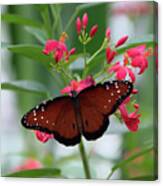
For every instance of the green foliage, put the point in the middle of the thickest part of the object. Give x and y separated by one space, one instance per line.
18 19
123 163
25 86
37 173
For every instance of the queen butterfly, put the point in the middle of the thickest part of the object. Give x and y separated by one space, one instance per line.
86 113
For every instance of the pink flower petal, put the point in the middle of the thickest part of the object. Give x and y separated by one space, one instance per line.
131 74
78 86
141 62
29 164
42 136
121 73
131 120
50 46
115 67
139 50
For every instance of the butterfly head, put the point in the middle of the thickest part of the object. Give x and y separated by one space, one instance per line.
74 93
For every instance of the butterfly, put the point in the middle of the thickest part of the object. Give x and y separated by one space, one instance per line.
84 114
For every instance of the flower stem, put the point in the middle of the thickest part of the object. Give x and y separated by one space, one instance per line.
103 46
85 57
84 160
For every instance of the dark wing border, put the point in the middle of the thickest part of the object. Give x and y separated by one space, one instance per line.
57 136
104 126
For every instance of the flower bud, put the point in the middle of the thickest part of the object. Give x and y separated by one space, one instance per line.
72 51
108 32
85 20
121 41
110 54
93 31
136 106
78 25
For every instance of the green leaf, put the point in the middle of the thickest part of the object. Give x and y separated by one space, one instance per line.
88 5
18 19
144 178
25 86
36 173
126 161
33 52
37 33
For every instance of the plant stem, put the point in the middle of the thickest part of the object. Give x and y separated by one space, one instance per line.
84 160
85 57
103 46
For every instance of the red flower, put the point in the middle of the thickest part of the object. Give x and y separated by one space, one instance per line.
78 86
139 56
42 136
110 54
29 164
141 62
121 41
131 120
136 51
78 25
93 31
85 20
122 71
57 48
108 32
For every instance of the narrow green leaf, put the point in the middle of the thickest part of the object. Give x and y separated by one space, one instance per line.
18 19
37 33
36 173
25 86
126 161
33 52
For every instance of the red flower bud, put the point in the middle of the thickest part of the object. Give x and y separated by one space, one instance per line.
121 41
135 91
72 51
78 25
108 32
110 54
136 106
85 20
93 31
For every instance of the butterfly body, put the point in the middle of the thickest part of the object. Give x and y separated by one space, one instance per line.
84 114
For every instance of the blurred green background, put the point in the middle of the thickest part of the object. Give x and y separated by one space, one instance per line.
19 144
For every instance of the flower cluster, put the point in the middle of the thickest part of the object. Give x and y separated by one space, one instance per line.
133 58
78 86
81 26
58 49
